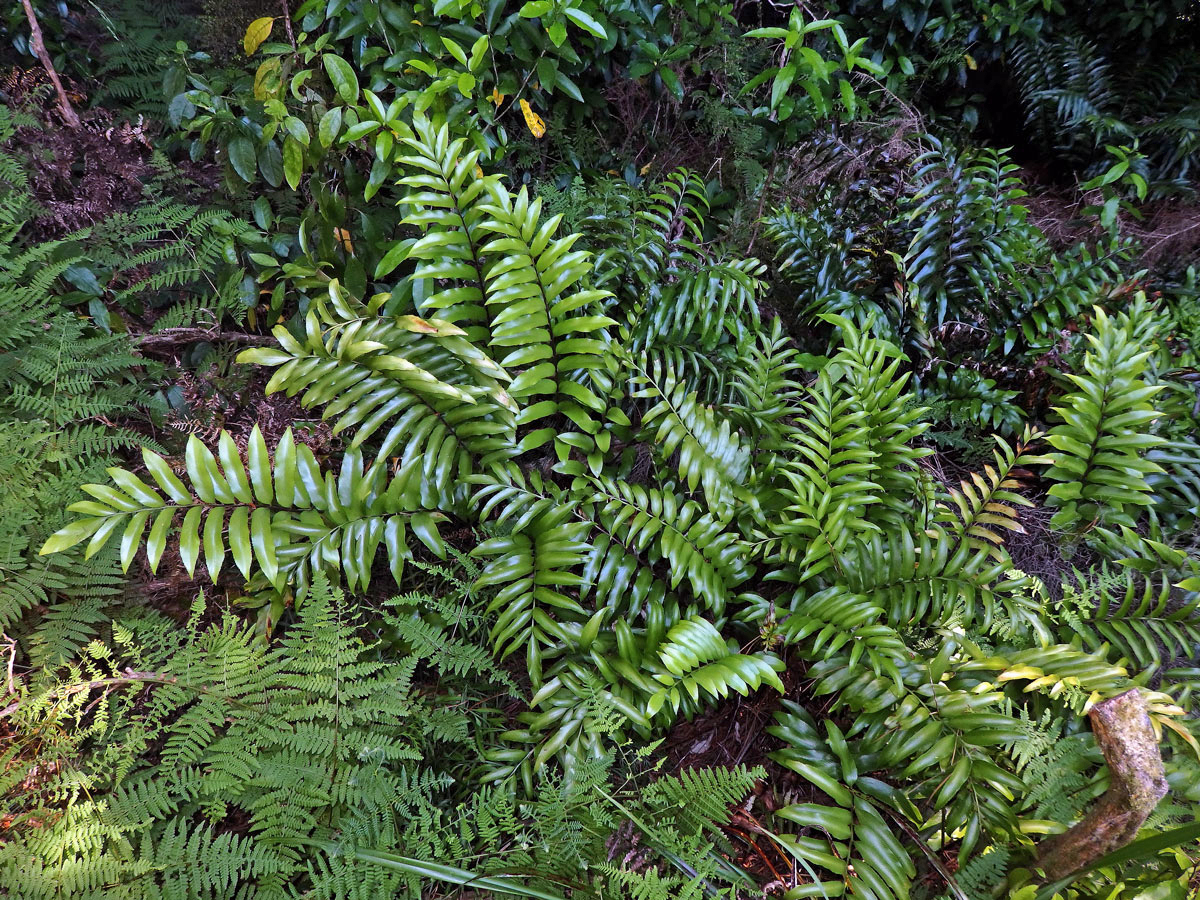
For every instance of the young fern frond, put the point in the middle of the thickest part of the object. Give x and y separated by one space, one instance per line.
677 209
697 658
1099 463
449 654
768 390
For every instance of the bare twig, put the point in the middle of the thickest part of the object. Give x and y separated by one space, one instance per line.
39 48
11 645
287 21
128 677
1162 238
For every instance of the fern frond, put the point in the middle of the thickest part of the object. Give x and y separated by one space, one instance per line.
710 453
697 658
1099 463
693 544
987 502
284 515
436 394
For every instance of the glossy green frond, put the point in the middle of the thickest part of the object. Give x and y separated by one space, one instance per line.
1099 466
868 371
447 195
439 404
832 619
279 513
925 577
854 842
697 658
829 480
531 566
695 546
708 452
545 322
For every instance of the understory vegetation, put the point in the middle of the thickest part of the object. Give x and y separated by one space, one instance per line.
597 449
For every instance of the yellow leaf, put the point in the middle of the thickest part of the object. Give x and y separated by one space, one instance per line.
478 171
341 234
266 79
1184 733
259 31
537 127
971 64
496 97
644 169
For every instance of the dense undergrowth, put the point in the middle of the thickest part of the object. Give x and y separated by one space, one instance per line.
585 448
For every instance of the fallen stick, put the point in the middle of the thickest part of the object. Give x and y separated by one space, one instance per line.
1137 782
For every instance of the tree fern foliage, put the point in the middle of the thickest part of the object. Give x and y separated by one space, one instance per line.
673 509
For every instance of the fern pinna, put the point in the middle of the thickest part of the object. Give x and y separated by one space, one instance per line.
640 509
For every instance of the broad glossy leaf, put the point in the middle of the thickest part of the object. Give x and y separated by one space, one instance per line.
243 158
342 76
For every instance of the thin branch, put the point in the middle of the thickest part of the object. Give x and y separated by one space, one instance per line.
287 21
39 48
128 677
11 646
